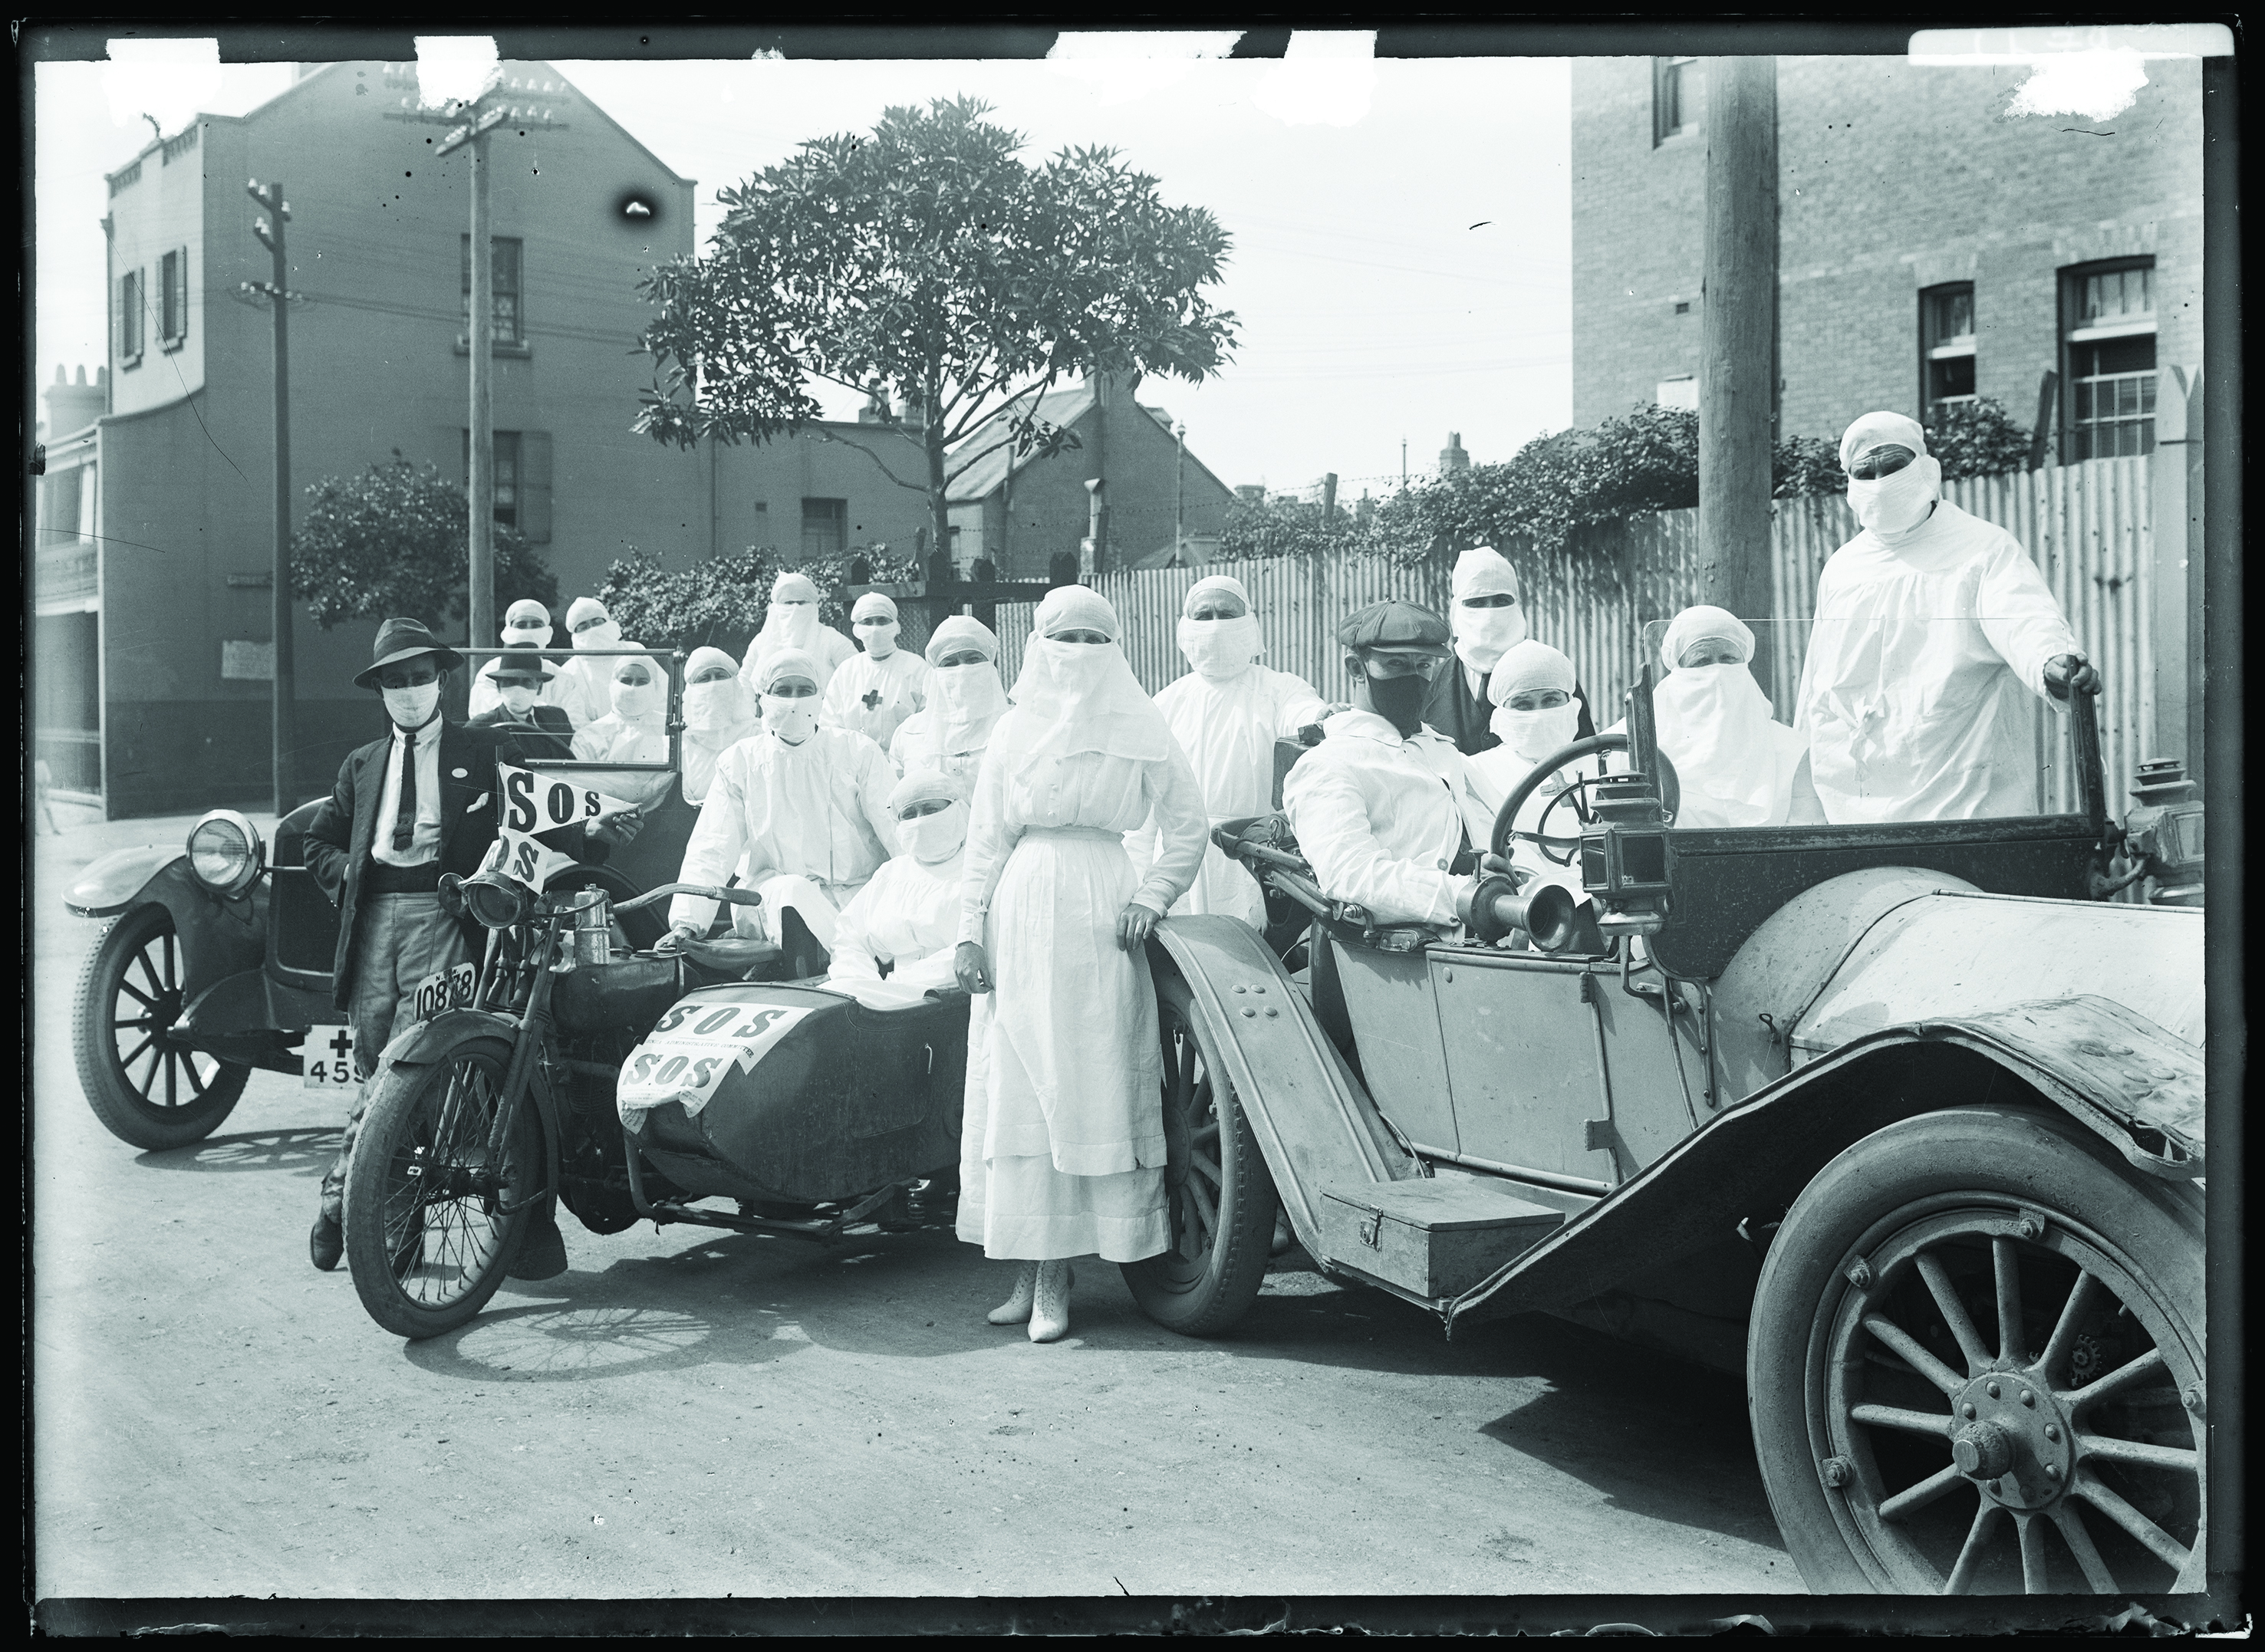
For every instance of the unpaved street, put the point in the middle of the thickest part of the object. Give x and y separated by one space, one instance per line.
695 1414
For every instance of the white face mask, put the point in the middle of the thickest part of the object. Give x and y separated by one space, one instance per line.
931 838
709 706
794 622
1534 735
636 702
1896 504
1483 636
966 691
604 634
1077 666
1221 650
519 701
533 631
793 719
878 635
412 707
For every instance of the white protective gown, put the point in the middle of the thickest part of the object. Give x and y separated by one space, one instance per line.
822 643
1381 818
1062 1151
921 743
1228 729
811 822
1502 768
907 917
875 696
1918 697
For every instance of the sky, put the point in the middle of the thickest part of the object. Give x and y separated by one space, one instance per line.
1401 230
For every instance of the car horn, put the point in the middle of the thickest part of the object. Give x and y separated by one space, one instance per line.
1492 907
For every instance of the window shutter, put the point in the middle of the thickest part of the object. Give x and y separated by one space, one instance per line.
534 486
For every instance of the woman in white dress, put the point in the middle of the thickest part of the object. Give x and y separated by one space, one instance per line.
1062 1150
717 716
791 621
965 701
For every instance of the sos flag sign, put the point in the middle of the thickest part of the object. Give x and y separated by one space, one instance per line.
535 803
693 1048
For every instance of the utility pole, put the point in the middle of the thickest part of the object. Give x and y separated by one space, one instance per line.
1404 463
1738 365
480 339
270 232
1180 502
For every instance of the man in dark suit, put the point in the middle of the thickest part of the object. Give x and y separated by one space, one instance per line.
406 809
541 730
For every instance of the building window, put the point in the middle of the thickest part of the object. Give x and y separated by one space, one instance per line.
1683 392
522 481
2107 355
1676 97
505 308
173 298
129 318
825 527
1945 346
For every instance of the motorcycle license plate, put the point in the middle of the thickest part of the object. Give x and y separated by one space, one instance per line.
450 989
328 1058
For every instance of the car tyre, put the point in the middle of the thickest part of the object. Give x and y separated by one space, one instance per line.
130 993
1975 1364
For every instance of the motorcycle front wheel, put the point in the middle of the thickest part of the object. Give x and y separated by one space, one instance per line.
433 1220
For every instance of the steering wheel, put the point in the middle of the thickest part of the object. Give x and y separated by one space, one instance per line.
1670 792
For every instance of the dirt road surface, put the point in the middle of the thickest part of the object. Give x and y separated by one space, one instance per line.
695 1415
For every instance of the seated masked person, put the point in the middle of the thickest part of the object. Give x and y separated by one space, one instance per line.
1486 619
417 803
1388 812
805 807
634 730
717 716
906 920
1535 715
542 729
1735 765
526 625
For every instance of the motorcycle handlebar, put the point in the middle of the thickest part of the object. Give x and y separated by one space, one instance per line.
733 897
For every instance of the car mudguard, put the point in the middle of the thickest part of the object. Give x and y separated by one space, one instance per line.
111 885
230 1019
218 938
427 1041
1313 1120
2136 1085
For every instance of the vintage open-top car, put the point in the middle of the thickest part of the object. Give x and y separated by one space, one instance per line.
1903 1123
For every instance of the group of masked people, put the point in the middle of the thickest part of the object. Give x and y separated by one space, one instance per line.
923 825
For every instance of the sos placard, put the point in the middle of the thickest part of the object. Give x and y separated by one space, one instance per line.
536 802
693 1048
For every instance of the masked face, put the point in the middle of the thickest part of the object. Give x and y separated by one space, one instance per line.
537 632
1399 700
932 838
795 623
1484 634
1534 735
878 635
412 707
597 634
709 707
1077 666
793 718
518 698
1899 502
965 690
1221 650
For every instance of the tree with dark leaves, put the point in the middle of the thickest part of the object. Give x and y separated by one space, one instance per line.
925 257
389 543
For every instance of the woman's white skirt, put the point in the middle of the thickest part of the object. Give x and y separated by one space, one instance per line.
1061 1142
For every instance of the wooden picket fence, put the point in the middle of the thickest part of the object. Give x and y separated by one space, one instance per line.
2087 525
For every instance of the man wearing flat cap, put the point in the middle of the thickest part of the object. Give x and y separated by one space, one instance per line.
1386 809
417 803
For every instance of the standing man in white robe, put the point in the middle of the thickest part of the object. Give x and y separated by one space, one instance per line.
1227 714
791 621
1935 636
875 691
965 701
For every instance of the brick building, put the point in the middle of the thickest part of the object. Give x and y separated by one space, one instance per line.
176 651
1931 247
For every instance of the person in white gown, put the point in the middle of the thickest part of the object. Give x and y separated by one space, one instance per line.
1063 1144
634 730
876 690
791 621
1935 638
805 807
1227 714
907 917
717 716
1535 715
582 685
965 701
526 625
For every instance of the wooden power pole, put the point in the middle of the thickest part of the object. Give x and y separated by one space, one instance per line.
270 232
480 340
1738 362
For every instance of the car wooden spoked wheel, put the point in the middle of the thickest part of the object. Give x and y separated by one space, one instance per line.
1999 1384
147 1088
433 1216
1222 1197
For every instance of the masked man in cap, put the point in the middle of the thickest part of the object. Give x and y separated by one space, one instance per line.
1485 621
878 690
542 729
1386 809
1935 636
418 803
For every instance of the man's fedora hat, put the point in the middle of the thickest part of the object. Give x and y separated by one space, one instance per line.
404 640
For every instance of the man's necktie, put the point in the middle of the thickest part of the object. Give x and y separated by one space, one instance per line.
405 819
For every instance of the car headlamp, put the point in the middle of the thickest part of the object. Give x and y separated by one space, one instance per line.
225 852
1624 857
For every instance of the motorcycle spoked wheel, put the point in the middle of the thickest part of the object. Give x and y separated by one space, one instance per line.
427 1239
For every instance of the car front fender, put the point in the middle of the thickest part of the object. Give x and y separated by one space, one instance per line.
108 886
2138 1088
218 938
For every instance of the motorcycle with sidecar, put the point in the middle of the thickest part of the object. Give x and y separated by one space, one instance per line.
1902 1123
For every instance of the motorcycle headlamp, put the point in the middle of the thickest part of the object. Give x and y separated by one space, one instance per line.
494 900
225 852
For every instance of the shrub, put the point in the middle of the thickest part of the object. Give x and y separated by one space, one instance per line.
394 542
719 601
1976 438
1281 529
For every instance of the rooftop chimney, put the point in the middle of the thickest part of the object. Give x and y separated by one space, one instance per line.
73 406
1451 457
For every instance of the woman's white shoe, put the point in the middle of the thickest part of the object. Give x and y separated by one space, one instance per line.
1050 1311
1017 1308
